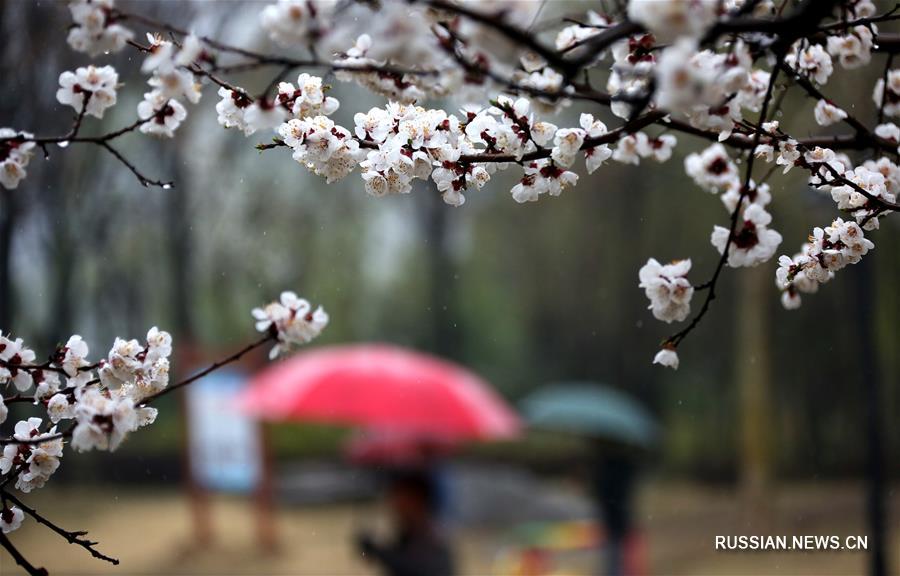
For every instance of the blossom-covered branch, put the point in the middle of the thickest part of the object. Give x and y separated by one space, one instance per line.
693 68
104 401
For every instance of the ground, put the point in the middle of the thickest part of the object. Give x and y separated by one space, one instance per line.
150 531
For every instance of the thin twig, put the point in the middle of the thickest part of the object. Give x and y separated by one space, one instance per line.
675 339
76 538
212 367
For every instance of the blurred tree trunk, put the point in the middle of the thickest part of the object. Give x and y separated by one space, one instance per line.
866 295
753 375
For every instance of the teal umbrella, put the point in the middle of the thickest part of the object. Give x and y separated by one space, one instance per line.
591 409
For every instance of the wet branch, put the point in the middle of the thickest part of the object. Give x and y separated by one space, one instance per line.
76 538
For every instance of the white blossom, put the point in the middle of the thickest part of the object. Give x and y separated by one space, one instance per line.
308 98
35 460
293 22
853 49
231 110
95 85
93 32
177 83
542 177
11 519
712 169
103 419
752 243
668 289
812 61
571 36
889 94
59 408
15 154
566 145
828 251
667 357
850 197
669 19
888 131
322 146
788 154
162 115
16 355
291 320
828 114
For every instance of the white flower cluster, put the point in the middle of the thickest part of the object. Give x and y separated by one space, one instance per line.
11 518
633 147
306 100
34 460
810 60
753 242
710 89
322 146
668 289
631 72
571 36
437 78
400 143
671 19
295 22
889 95
291 320
827 251
89 88
713 170
15 153
872 180
96 30
103 398
670 293
858 191
854 48
171 80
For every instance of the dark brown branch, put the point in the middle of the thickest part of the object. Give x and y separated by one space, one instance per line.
674 340
144 180
513 33
846 25
211 368
76 538
862 131
19 558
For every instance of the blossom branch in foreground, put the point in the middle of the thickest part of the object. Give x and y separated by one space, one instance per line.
693 68
668 356
105 400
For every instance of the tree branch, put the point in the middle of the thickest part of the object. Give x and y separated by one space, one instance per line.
19 558
76 538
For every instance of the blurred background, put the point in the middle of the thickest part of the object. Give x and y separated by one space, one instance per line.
767 428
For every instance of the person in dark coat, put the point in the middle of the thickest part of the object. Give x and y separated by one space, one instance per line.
613 488
417 547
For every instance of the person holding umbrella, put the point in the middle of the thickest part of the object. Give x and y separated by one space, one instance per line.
417 547
412 406
620 431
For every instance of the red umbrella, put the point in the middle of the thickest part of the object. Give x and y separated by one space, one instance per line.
383 387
